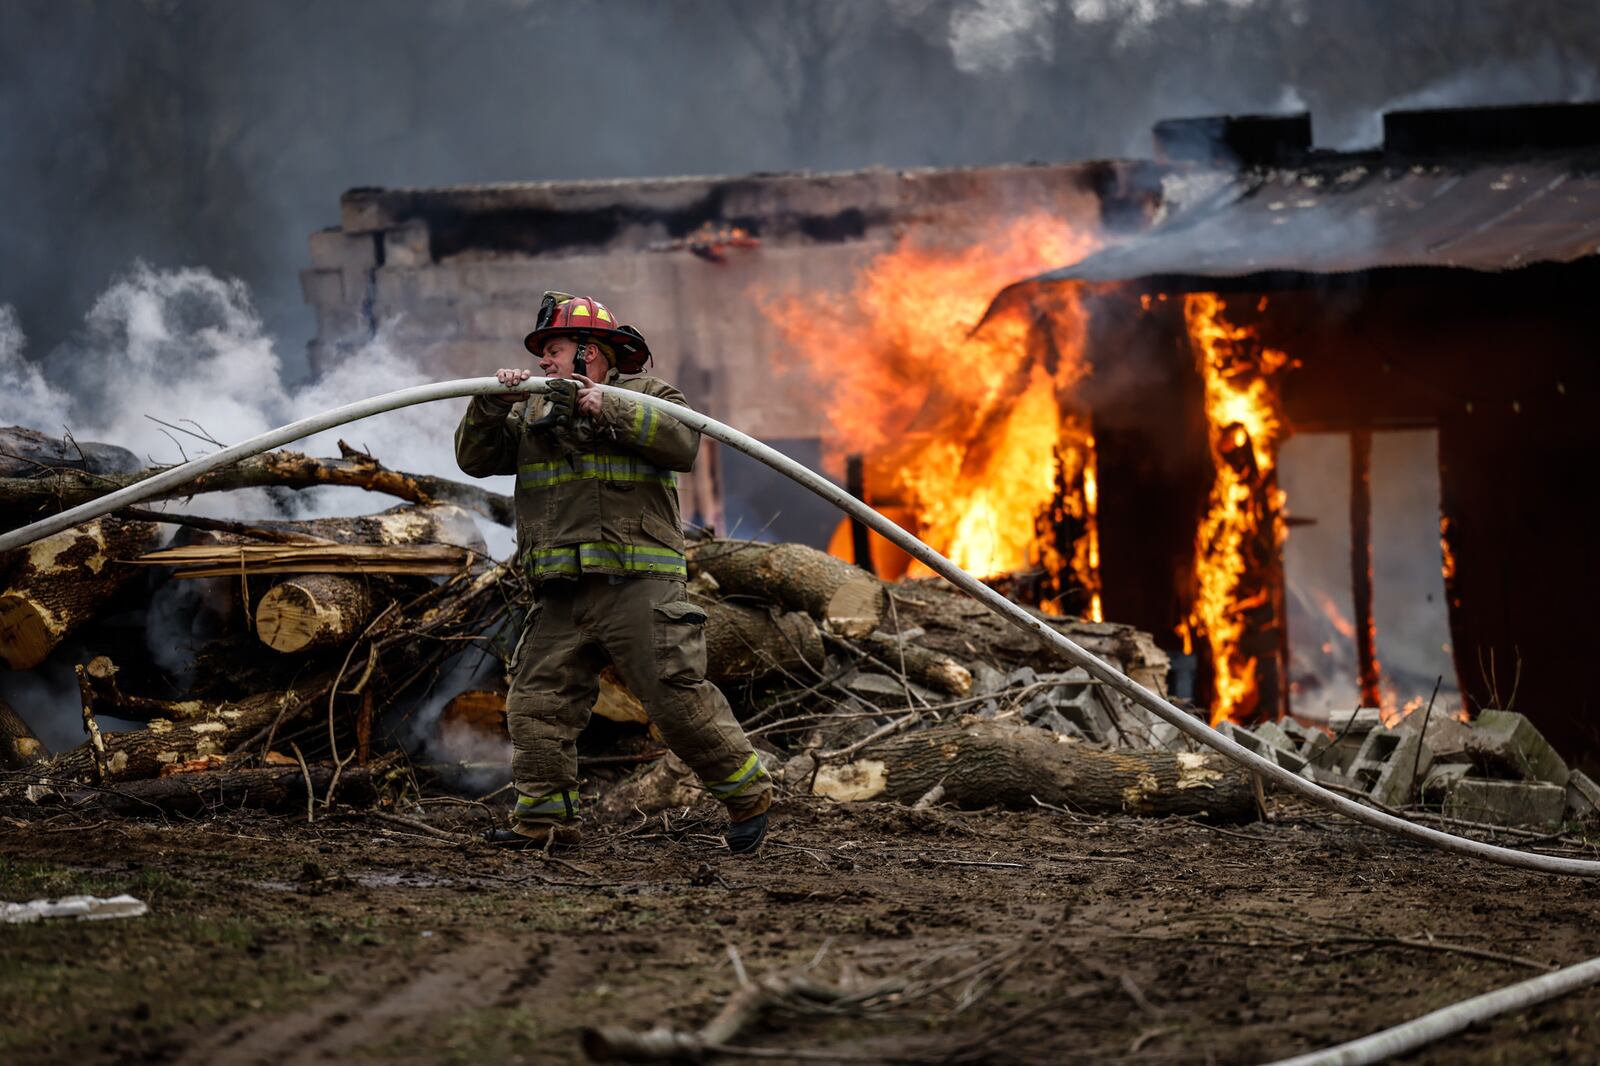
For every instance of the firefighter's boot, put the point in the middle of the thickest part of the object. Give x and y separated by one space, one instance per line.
541 822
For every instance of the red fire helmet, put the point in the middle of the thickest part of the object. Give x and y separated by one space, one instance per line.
586 318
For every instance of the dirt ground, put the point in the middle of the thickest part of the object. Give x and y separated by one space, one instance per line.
970 937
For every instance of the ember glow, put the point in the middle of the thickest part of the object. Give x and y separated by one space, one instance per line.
1240 536
968 432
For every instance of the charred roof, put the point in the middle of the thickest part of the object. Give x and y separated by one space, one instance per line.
1250 202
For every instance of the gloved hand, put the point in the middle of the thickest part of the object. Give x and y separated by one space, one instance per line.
561 400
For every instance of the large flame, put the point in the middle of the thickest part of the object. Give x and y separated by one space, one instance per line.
1244 524
969 431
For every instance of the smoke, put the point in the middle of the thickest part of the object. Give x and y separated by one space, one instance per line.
998 34
1545 78
25 396
223 134
188 348
175 363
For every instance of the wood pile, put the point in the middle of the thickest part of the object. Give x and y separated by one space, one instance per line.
332 644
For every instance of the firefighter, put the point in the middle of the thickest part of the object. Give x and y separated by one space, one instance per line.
599 537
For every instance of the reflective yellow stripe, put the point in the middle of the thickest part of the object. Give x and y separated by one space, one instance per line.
749 772
591 466
562 804
573 559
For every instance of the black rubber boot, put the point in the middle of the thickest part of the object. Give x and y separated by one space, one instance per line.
535 835
744 837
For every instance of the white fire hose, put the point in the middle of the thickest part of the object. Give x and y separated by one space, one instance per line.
177 476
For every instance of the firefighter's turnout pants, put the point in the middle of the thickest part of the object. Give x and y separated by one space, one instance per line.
650 631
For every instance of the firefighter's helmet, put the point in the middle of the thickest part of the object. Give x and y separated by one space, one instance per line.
586 318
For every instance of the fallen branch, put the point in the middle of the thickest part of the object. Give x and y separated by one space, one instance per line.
25 499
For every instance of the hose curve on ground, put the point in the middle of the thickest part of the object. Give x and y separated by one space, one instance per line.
177 476
1446 1021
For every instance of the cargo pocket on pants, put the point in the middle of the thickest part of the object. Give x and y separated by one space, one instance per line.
519 650
680 641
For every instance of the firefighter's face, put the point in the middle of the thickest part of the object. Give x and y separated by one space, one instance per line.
555 358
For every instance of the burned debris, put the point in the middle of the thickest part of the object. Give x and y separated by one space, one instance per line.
328 668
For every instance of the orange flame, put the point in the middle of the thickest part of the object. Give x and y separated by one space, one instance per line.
968 430
1245 507
1342 625
1447 561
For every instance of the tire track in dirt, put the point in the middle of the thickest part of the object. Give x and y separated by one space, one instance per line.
481 972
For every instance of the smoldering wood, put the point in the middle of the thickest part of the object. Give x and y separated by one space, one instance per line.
64 581
269 788
401 649
19 748
25 499
984 763
845 598
1361 566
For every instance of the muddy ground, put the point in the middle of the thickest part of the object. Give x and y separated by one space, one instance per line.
1035 937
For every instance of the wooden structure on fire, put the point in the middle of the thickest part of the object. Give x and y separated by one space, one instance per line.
1443 280
453 276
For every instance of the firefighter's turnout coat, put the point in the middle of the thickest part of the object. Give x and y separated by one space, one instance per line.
599 535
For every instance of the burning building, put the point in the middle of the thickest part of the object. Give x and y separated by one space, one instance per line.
1254 346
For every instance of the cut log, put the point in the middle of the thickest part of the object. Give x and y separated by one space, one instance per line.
925 666
64 581
18 746
27 453
24 499
846 599
315 611
747 644
271 788
400 652
983 763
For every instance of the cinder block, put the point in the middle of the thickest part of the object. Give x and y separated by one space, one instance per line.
1053 721
1356 723
1507 743
1438 782
1517 803
407 245
1323 776
1405 766
1287 758
1447 738
1583 797
1274 734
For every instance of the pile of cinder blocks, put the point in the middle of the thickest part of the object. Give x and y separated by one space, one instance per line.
1496 770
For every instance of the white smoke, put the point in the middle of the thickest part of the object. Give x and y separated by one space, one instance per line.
188 348
994 35
1545 78
25 397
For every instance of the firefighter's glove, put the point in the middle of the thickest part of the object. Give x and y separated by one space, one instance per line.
561 406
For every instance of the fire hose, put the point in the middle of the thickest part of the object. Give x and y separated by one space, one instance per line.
179 475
